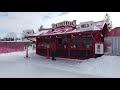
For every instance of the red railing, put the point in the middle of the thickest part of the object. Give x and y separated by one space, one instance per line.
7 47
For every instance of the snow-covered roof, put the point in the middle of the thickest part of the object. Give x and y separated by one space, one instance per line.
41 32
24 40
16 41
97 26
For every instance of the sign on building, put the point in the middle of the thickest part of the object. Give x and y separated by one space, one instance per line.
64 24
85 26
99 49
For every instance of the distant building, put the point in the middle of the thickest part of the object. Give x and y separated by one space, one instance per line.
112 42
26 33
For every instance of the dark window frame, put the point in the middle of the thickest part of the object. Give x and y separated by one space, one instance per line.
75 41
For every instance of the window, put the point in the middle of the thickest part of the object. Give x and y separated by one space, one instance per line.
59 42
85 25
65 42
84 41
75 41
90 41
87 41
43 41
47 40
73 44
39 41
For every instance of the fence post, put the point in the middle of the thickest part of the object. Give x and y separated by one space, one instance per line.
26 51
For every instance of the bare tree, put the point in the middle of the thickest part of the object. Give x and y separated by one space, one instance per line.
11 36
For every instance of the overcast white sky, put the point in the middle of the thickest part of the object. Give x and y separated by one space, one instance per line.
19 21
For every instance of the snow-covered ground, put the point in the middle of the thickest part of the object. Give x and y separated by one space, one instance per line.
15 65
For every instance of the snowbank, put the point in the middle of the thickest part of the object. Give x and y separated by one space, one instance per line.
108 66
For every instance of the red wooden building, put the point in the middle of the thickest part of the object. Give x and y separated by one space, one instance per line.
73 41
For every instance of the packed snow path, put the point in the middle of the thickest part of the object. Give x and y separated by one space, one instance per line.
27 70
14 65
